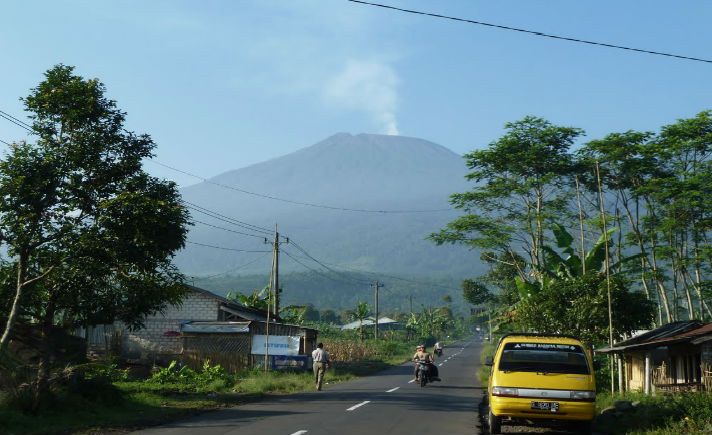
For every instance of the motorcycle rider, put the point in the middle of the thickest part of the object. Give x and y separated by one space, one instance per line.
422 354
438 349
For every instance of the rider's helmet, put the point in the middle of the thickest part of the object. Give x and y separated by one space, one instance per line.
420 346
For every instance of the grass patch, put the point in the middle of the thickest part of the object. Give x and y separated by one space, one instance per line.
483 373
683 413
176 392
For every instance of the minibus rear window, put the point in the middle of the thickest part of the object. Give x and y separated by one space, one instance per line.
544 358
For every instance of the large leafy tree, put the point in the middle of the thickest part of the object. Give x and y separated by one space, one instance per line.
89 235
578 306
521 182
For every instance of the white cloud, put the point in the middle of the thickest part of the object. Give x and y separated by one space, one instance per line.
368 86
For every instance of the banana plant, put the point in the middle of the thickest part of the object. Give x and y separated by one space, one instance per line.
557 267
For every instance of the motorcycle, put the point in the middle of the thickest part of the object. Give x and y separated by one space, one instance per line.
424 375
438 352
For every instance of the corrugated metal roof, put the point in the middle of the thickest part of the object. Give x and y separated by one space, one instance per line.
215 327
674 331
369 322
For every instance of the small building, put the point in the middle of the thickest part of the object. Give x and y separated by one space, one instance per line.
674 357
239 345
204 326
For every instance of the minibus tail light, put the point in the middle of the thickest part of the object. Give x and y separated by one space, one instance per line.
505 391
587 396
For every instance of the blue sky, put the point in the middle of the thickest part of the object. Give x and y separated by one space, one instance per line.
220 85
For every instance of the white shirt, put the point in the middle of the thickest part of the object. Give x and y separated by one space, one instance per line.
320 355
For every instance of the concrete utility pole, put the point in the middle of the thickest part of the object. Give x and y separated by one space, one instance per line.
376 286
274 278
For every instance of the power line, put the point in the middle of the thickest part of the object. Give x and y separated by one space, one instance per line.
388 276
235 268
532 32
11 119
228 229
227 219
296 245
336 272
319 272
308 204
17 121
4 142
223 248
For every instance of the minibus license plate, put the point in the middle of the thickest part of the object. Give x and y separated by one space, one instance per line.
546 406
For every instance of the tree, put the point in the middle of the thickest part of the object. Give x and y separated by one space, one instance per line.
88 233
520 180
579 306
328 316
361 313
475 292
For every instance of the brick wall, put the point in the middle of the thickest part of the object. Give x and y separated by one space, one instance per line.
149 341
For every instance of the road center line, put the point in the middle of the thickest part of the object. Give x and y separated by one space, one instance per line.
411 381
299 432
392 390
440 364
359 405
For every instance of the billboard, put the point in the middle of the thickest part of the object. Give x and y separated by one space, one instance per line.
278 345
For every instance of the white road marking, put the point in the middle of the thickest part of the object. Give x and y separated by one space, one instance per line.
299 432
359 405
392 390
440 364
411 381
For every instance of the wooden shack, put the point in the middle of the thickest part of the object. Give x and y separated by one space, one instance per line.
239 345
675 357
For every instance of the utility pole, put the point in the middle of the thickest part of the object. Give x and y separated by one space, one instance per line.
273 284
376 286
274 278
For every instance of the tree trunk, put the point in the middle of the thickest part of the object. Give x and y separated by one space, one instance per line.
42 390
14 311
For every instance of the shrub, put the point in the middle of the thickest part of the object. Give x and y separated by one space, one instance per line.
178 373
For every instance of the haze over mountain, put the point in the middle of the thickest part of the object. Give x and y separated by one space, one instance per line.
364 172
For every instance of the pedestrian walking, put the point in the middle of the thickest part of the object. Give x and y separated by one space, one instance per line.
321 362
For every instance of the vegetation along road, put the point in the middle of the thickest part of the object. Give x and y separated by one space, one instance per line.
386 403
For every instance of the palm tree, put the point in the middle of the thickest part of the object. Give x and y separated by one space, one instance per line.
361 313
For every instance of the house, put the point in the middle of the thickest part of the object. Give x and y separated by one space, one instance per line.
197 329
674 357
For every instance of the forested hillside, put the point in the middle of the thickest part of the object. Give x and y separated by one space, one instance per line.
340 291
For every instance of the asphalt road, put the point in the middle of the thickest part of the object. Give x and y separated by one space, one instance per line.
385 403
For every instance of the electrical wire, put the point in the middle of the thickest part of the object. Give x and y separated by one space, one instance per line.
228 229
317 271
4 142
324 264
228 219
302 250
16 121
235 268
336 272
289 201
223 248
532 32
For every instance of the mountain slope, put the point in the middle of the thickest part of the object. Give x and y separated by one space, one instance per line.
365 172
